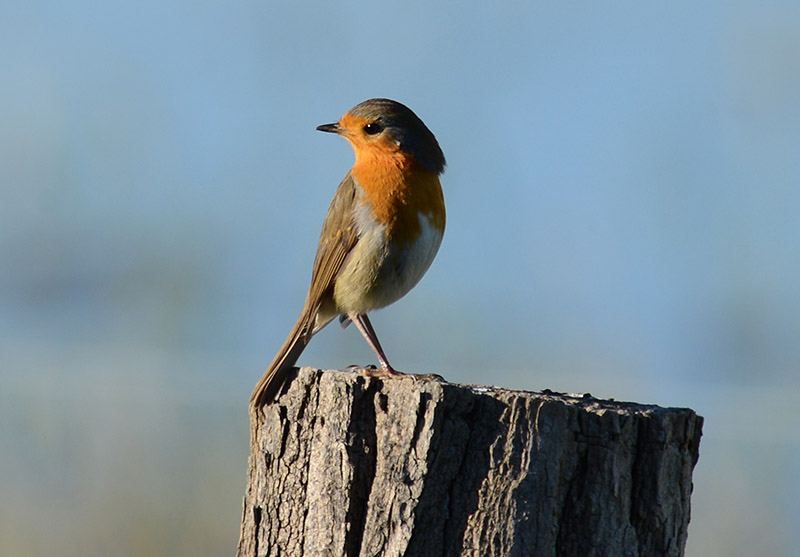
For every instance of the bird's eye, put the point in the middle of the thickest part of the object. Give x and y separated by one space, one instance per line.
373 128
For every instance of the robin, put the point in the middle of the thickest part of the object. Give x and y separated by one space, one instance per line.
382 231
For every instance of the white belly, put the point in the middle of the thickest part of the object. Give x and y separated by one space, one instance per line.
375 275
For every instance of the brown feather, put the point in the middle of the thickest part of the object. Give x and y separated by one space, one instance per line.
337 239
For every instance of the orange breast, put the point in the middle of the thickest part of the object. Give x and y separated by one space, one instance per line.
399 189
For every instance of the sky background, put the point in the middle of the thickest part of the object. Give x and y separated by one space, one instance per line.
623 201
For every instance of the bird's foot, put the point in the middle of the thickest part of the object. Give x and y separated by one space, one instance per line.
388 372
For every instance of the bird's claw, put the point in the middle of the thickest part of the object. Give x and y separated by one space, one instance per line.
391 373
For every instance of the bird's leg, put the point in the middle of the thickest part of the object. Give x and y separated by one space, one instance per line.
386 370
363 324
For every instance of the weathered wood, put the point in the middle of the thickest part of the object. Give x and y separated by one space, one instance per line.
344 465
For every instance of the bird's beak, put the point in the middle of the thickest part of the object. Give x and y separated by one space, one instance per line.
332 128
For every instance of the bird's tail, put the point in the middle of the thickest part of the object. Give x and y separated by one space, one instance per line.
269 385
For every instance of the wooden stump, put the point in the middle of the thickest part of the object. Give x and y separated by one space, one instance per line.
344 465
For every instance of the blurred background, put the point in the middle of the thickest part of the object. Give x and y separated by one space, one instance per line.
623 206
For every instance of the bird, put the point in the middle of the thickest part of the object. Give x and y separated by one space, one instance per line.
380 235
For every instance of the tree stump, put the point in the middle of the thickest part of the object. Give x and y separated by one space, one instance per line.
341 464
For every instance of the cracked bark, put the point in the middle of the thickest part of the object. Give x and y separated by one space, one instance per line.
346 465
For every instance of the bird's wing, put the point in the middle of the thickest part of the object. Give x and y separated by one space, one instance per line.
336 241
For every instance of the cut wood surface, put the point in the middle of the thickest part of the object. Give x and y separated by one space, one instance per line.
346 465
